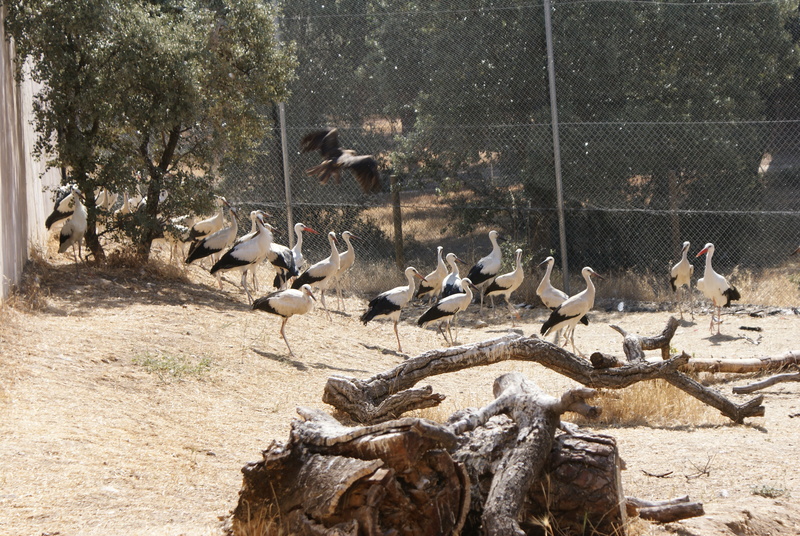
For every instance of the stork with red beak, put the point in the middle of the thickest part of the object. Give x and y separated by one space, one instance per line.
716 288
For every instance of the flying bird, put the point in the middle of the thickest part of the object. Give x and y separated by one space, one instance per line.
287 303
389 303
504 285
680 276
363 167
716 288
568 314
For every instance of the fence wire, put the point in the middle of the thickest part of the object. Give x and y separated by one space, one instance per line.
678 121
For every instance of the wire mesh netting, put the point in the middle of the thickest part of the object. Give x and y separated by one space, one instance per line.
676 121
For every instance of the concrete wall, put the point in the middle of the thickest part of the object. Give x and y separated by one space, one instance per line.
25 201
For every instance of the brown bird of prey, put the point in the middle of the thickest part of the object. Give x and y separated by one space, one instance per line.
363 167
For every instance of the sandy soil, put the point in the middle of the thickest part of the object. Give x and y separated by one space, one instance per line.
129 403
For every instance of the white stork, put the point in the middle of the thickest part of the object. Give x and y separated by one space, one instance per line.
504 285
572 310
211 225
287 303
246 254
488 267
75 227
447 308
63 205
126 205
321 274
215 242
716 288
390 303
176 234
551 296
452 281
282 276
431 286
680 276
346 260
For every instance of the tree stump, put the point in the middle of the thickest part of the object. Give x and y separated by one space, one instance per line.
392 478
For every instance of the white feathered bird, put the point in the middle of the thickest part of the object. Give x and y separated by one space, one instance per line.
321 274
447 308
346 260
75 227
715 287
452 281
680 276
572 310
388 304
505 284
287 303
432 284
246 254
551 296
488 267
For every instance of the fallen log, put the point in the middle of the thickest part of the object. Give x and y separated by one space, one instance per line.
767 382
388 394
755 364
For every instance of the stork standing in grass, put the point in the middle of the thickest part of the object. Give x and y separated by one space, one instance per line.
486 269
321 274
346 260
246 254
75 227
388 304
452 281
567 315
215 243
431 285
287 303
716 288
447 308
680 278
504 285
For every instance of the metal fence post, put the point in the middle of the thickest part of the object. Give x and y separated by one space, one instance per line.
287 180
551 76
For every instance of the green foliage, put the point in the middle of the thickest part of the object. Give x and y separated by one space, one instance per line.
169 367
150 96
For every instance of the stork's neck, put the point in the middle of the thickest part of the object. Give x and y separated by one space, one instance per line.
590 290
519 262
546 279
709 270
495 245
347 241
454 268
299 243
334 249
234 221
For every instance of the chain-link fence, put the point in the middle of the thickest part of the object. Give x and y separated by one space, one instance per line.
676 121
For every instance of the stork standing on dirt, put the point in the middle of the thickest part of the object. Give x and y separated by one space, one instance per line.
282 259
287 303
447 308
551 296
716 288
321 274
346 260
216 242
486 269
431 285
246 254
504 285
297 251
388 304
572 310
680 278
75 227
452 281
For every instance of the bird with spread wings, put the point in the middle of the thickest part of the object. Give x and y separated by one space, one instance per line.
363 167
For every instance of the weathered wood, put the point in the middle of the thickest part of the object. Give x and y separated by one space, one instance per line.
334 479
389 394
767 382
634 346
673 512
756 364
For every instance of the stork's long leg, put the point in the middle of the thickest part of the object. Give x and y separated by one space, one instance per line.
283 334
244 286
322 298
399 348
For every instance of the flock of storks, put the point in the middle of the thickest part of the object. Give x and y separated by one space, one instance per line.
446 291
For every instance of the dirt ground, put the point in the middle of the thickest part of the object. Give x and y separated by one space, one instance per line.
129 403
